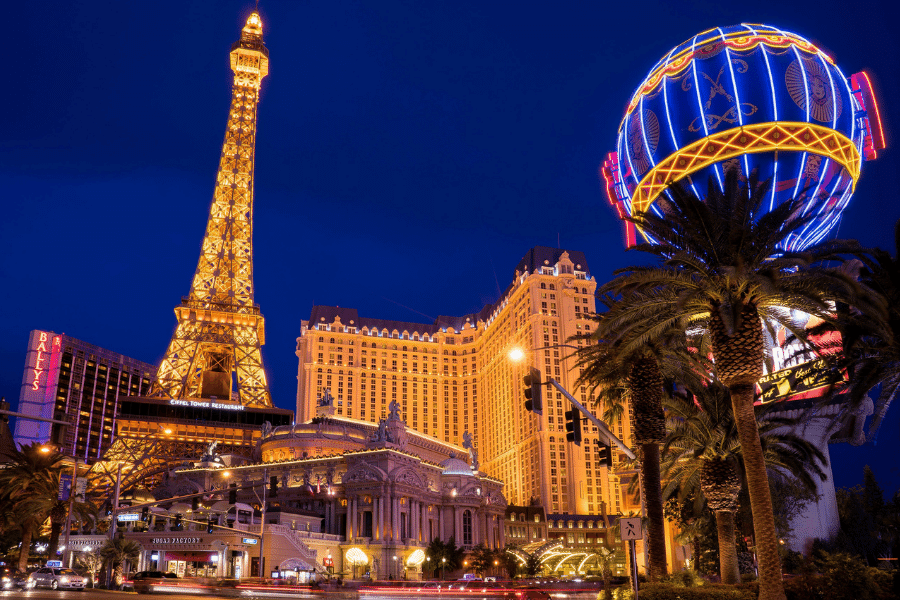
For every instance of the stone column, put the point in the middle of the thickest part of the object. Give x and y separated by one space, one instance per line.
395 515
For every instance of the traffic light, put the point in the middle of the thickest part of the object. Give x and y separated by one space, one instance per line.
573 425
604 454
179 522
232 494
145 513
211 523
533 401
273 486
195 503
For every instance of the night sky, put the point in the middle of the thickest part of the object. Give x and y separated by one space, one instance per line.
409 154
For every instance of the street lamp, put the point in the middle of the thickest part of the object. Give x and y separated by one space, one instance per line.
395 568
443 564
428 558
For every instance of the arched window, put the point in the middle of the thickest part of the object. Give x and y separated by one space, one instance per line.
332 341
543 286
467 528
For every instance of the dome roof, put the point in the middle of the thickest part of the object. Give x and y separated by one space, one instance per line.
136 495
455 466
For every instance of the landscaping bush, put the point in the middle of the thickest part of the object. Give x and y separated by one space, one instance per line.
668 591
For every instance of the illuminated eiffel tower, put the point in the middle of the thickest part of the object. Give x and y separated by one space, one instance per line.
192 407
220 328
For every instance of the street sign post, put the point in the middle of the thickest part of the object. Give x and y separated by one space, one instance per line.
630 530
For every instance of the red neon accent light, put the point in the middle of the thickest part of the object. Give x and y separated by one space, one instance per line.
39 367
861 85
610 173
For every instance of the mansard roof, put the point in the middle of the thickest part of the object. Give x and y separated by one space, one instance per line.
534 259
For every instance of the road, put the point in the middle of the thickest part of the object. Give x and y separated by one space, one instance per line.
89 594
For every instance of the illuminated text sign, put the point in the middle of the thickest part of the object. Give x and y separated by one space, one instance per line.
42 356
183 540
198 404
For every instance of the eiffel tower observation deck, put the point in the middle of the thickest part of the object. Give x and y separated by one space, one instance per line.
210 389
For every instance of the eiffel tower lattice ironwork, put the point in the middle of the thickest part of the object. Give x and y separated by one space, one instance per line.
220 329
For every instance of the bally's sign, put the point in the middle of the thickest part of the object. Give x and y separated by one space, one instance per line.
803 379
183 540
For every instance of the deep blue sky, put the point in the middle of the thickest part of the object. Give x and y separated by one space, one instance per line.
409 154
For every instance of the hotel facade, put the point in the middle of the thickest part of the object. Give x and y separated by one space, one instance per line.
66 379
455 376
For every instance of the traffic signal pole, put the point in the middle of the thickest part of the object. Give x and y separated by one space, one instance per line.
601 426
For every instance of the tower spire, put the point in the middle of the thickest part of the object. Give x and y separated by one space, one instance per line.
220 328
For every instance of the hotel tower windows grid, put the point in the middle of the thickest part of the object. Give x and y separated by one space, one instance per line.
454 375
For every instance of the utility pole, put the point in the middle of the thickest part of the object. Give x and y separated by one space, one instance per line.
262 526
72 492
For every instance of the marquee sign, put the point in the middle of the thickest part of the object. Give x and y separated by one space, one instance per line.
198 404
801 381
181 540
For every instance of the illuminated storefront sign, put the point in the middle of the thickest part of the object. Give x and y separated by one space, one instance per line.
198 404
182 540
250 540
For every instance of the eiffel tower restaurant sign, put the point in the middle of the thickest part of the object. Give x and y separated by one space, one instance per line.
201 404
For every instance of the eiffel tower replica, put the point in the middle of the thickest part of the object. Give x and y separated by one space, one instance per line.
193 407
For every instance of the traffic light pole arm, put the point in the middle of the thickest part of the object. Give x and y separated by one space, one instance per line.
597 422
133 507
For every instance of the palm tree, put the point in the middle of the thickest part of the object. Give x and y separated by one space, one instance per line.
721 261
614 371
870 340
606 558
703 454
27 484
116 553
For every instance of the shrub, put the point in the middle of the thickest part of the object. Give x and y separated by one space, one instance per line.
667 591
847 578
683 579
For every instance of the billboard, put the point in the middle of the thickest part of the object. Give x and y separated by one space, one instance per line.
797 371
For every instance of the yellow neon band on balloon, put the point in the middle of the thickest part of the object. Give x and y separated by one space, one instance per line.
740 41
750 139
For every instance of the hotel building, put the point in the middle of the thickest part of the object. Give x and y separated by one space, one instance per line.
455 375
66 379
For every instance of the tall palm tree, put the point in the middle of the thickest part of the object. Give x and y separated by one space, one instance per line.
616 371
703 458
721 260
117 553
26 481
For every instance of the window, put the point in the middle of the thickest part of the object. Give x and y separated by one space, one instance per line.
467 528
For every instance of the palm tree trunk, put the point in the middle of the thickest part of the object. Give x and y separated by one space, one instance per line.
771 584
728 560
25 549
656 534
55 528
